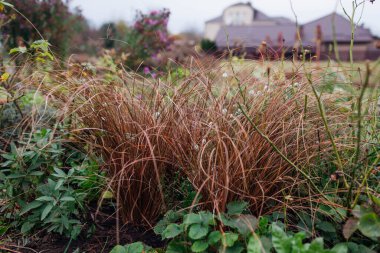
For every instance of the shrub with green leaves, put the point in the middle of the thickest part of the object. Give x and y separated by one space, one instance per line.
45 184
237 232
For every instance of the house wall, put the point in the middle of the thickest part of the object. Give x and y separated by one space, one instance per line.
238 15
211 30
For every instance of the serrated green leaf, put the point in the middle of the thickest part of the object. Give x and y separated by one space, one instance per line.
176 247
136 247
280 240
192 218
171 231
119 249
340 248
214 237
229 239
199 246
198 231
254 244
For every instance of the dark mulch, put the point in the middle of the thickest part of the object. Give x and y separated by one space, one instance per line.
102 240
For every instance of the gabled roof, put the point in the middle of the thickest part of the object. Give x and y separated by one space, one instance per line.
258 16
252 36
217 19
240 4
343 30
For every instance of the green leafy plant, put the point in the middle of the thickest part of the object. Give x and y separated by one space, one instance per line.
208 46
46 185
366 219
136 247
235 232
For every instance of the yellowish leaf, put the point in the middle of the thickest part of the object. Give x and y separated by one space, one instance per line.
5 77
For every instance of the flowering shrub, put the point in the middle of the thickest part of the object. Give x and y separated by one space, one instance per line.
148 38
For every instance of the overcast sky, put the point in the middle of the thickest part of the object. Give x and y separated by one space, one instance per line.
191 14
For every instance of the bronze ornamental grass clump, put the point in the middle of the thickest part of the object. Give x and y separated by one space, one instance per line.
201 127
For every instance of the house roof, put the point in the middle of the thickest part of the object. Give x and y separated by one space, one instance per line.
240 3
217 19
343 30
258 16
252 36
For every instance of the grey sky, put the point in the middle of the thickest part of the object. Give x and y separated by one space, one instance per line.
192 14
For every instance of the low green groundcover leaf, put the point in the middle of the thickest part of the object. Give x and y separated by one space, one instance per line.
254 244
136 247
198 231
234 249
192 218
369 225
280 240
229 239
236 207
214 237
340 248
119 249
172 231
199 246
175 247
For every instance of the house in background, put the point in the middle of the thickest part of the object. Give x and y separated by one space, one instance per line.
244 28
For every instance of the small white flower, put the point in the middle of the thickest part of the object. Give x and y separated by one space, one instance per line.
252 92
266 87
238 112
224 111
196 147
156 115
225 75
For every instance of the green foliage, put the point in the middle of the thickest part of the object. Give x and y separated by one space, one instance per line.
39 49
136 247
208 46
235 231
45 184
366 219
49 19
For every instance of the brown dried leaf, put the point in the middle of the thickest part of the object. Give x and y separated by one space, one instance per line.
350 227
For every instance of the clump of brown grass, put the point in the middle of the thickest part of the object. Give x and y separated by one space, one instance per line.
148 130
